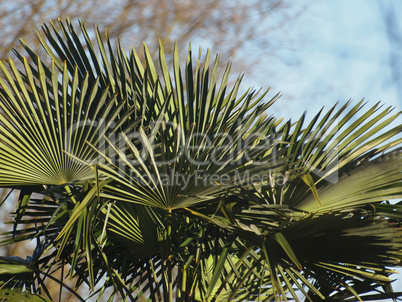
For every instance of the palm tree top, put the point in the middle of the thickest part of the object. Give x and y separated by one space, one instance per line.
169 180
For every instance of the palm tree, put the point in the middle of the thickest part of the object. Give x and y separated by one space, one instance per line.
162 184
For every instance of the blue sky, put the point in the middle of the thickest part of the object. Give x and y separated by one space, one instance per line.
343 53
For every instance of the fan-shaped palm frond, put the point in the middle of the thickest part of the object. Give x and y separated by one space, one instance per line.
158 181
44 120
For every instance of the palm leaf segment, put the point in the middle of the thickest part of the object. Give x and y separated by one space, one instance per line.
154 169
44 119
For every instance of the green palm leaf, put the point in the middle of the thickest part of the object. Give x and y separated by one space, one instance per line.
374 181
41 124
11 295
